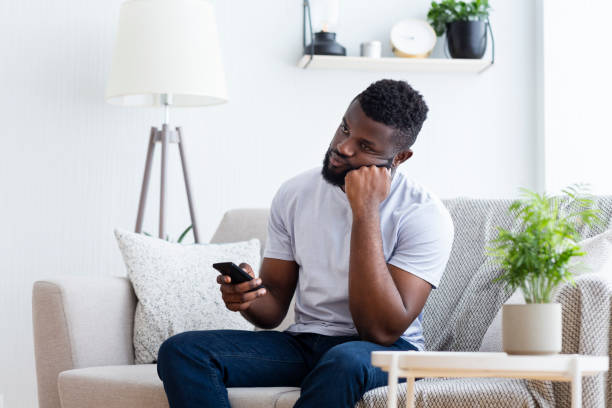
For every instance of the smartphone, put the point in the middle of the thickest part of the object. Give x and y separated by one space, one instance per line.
237 274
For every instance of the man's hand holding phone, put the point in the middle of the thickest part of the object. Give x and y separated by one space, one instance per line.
240 296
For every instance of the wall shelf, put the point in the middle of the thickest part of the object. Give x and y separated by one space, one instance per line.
474 66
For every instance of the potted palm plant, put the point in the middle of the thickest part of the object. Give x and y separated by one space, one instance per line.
465 25
536 260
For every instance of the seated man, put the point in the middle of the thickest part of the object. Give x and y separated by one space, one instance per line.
362 244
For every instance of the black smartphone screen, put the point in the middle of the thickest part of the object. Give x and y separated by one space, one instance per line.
232 270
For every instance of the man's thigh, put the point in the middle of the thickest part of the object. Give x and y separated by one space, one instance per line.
242 358
354 357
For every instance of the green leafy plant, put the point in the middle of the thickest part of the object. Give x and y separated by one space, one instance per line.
537 258
447 11
167 238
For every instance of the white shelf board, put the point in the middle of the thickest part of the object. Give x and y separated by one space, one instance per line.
395 64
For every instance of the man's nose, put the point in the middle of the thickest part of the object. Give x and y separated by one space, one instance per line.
345 148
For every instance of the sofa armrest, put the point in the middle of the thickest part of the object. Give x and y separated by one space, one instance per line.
80 322
586 330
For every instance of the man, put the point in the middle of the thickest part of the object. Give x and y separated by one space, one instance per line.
362 244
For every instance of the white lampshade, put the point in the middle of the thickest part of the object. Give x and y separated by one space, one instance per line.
166 47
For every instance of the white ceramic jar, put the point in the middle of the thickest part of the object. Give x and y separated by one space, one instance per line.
371 49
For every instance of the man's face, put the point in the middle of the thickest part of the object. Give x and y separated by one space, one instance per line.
359 141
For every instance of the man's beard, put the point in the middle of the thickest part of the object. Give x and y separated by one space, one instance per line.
337 179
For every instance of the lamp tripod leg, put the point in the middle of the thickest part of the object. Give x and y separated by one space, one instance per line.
145 180
181 146
165 135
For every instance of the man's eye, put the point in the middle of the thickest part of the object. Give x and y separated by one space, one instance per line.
365 147
343 128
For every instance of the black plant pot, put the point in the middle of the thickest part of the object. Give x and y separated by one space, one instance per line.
466 39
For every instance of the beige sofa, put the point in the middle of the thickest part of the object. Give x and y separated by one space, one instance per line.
83 329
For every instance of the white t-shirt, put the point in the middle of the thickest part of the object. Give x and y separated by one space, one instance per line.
310 223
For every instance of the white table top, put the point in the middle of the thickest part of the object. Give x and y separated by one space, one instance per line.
478 364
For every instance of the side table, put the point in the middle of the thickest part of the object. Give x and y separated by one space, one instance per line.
419 364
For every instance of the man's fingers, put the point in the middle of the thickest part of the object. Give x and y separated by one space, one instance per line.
235 302
237 307
242 297
242 287
246 286
247 268
223 279
234 307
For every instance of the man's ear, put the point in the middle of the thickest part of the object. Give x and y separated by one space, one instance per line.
402 157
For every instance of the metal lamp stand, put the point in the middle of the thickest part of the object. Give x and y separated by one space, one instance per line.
165 136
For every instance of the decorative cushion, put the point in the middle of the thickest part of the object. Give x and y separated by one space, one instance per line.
176 287
598 257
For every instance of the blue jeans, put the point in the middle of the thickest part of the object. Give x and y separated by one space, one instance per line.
332 371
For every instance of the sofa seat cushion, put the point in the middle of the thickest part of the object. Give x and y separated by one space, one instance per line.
138 386
118 386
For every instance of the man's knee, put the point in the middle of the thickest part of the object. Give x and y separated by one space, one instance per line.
174 352
349 358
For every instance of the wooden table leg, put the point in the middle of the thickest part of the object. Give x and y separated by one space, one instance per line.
392 382
576 383
410 392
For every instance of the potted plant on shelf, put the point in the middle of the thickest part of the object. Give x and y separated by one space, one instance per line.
465 25
536 259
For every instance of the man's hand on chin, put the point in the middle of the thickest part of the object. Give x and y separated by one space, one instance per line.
367 187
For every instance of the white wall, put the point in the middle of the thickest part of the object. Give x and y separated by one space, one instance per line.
71 165
577 90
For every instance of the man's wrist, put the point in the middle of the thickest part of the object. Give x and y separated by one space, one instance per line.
365 213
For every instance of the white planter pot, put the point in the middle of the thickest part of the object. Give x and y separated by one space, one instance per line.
531 328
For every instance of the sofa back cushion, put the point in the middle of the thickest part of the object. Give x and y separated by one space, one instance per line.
242 224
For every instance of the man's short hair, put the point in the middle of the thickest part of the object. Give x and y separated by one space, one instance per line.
395 104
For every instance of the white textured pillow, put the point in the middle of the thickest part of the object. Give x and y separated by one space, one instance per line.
598 257
177 289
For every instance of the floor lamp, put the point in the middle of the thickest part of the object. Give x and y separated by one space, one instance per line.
166 54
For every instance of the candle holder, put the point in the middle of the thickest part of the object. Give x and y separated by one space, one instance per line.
325 44
322 42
